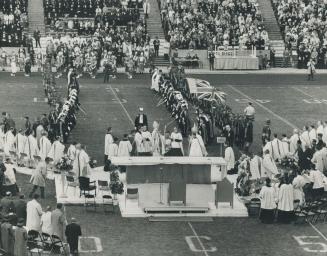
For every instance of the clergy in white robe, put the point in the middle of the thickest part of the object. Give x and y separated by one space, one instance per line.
45 146
113 149
268 203
9 142
269 168
305 138
196 146
31 149
138 139
285 202
285 148
276 148
229 157
147 142
108 139
39 133
156 140
56 151
71 151
155 81
20 144
176 139
124 147
293 141
83 167
317 159
34 213
312 133
2 137
10 173
255 167
298 184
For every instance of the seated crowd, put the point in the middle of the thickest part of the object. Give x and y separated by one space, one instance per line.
13 20
304 26
211 24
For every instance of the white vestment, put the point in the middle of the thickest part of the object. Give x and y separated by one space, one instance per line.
20 143
276 149
124 148
45 147
46 223
56 151
157 144
197 147
286 197
268 198
71 152
298 184
313 135
108 139
175 144
10 174
256 167
320 130
139 142
113 150
269 168
317 159
147 144
39 131
9 142
34 213
285 148
229 158
31 149
82 161
155 81
293 143
305 139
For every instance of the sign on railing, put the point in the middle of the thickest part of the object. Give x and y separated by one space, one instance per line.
234 52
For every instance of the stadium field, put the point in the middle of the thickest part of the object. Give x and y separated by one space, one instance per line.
289 101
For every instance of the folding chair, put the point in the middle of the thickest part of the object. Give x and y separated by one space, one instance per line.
71 182
34 243
89 200
58 244
47 242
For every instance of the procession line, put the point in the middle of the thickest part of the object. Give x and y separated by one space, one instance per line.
199 240
122 105
263 107
303 92
286 122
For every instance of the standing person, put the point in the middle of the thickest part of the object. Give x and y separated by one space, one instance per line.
286 58
20 238
45 145
266 132
249 112
56 151
46 225
196 145
285 201
311 69
82 161
268 203
269 168
31 149
20 143
146 8
28 65
107 68
13 65
39 175
20 207
37 37
272 57
211 60
156 140
58 221
141 119
147 142
176 143
113 148
108 139
34 213
73 232
317 177
125 146
229 157
248 135
156 45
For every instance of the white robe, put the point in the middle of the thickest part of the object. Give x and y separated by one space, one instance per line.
269 168
286 197
157 144
276 149
9 142
20 143
313 135
155 81
113 150
71 152
320 130
45 147
317 159
108 139
39 130
2 139
174 144
298 184
268 198
139 142
256 167
82 161
229 158
305 139
56 151
34 213
197 148
293 143
31 149
147 138
124 148
10 174
285 148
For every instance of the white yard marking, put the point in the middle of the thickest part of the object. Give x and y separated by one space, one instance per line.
307 245
116 89
193 248
121 104
313 99
246 101
97 244
263 107
191 245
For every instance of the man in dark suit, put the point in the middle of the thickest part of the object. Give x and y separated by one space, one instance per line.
20 207
73 232
141 119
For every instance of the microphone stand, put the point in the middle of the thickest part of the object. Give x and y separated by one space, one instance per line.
161 186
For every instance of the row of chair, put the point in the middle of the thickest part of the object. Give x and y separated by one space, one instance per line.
312 211
41 243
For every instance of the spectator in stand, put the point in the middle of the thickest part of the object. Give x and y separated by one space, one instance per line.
37 37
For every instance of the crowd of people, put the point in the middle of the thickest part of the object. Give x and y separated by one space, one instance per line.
303 26
210 24
13 21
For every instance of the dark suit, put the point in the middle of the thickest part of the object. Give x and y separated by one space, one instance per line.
72 232
20 207
138 122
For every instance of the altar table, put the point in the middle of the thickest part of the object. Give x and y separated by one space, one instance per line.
239 63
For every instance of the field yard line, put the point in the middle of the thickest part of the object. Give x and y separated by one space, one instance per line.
199 240
263 107
303 92
318 231
286 122
121 104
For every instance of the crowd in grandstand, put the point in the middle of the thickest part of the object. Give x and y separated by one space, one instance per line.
222 23
13 20
303 26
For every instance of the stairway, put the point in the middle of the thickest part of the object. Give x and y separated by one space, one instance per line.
36 16
269 19
154 25
161 61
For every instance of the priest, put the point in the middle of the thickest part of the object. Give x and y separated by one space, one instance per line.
269 168
81 163
45 145
156 140
141 119
56 151
9 141
293 141
108 139
176 139
196 144
229 157
20 144
31 149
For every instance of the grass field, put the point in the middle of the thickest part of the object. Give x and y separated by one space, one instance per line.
288 100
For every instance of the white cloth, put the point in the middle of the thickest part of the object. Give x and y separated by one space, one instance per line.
10 174
276 149
112 150
197 148
317 177
256 167
20 143
305 139
317 159
46 226
268 198
298 184
56 151
45 147
82 161
124 148
34 213
313 135
108 139
147 144
155 81
286 197
324 137
31 149
229 158
249 111
9 142
139 142
157 143
293 143
285 148
269 168
176 136
71 152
